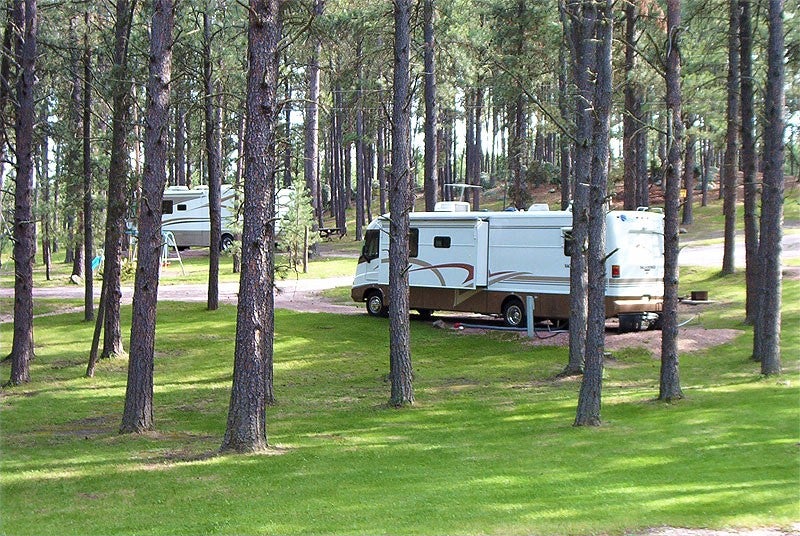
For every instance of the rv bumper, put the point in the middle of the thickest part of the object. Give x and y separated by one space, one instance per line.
653 305
357 293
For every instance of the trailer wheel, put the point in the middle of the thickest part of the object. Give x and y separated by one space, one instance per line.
375 305
225 242
514 313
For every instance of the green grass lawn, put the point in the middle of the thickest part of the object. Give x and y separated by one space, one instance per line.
488 448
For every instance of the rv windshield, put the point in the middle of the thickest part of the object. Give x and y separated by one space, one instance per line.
372 240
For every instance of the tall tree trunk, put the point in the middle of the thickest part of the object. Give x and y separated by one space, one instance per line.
246 429
431 128
44 179
137 416
6 53
582 46
311 144
180 145
477 156
767 332
361 187
27 24
287 124
688 173
237 202
730 166
88 233
117 179
213 165
400 370
643 186
670 386
589 400
748 158
630 124
382 166
567 115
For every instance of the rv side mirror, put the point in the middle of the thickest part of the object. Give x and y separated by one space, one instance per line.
568 241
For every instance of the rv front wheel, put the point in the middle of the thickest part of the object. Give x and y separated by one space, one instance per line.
514 313
375 305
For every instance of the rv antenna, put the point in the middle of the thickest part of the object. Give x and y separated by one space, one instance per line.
461 188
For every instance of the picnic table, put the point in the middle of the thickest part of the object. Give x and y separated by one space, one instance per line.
328 232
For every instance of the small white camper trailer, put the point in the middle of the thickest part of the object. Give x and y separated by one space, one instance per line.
490 262
184 212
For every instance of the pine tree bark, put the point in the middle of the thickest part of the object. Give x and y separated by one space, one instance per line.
730 165
688 173
311 128
27 24
767 332
44 177
255 326
138 413
643 186
213 165
381 157
670 387
361 186
179 175
400 368
88 211
431 127
581 24
567 116
748 158
630 126
589 400
118 171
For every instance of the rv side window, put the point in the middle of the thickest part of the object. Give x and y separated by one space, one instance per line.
413 242
181 207
166 206
441 241
372 241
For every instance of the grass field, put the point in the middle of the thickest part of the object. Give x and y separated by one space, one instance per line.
488 448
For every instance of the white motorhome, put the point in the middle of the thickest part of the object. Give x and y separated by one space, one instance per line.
490 262
184 212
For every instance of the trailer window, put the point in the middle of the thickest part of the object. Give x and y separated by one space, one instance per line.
181 207
370 251
441 241
413 242
166 206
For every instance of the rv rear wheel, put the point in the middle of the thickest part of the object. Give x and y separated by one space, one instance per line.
425 314
375 305
514 313
225 242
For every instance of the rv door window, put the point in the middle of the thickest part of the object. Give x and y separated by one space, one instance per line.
166 206
372 241
413 242
441 241
181 207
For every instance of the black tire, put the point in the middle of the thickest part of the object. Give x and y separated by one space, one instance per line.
375 305
514 313
225 242
425 314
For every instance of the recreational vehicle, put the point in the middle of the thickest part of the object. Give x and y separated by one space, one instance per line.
491 262
184 212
